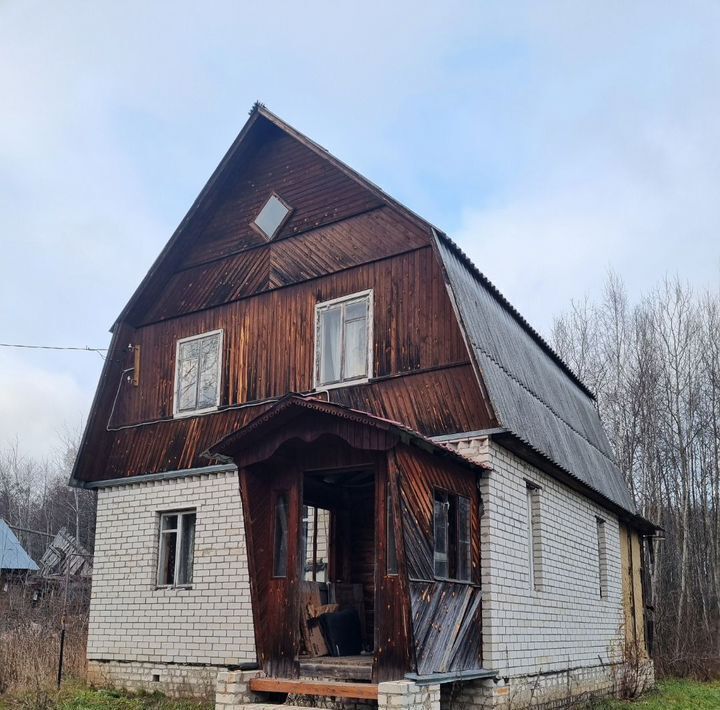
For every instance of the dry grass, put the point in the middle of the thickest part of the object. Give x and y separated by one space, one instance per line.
30 640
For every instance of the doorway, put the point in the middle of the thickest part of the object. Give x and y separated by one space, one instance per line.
338 564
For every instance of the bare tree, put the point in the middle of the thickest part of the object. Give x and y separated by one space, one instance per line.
655 366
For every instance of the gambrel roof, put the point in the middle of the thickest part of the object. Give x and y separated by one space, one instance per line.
534 396
12 555
533 393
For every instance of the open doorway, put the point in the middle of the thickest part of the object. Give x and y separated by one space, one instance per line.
337 603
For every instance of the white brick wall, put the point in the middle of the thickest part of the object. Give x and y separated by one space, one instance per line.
565 624
131 620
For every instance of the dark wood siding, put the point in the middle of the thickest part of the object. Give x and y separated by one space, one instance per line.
357 240
221 275
314 188
445 614
269 339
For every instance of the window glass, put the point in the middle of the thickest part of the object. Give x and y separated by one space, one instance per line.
280 557
187 549
198 373
356 355
441 509
464 554
271 216
342 337
209 371
169 522
330 321
452 520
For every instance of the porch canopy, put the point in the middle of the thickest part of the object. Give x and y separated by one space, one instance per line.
387 490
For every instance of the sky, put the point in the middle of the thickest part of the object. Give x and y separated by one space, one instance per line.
552 140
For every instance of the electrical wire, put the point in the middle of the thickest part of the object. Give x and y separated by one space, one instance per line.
85 348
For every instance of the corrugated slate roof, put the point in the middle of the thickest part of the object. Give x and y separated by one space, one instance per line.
533 393
12 554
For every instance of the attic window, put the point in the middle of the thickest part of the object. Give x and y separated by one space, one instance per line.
272 216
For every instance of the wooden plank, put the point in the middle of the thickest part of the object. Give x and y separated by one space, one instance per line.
334 689
348 668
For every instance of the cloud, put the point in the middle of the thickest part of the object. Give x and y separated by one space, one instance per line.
37 406
551 139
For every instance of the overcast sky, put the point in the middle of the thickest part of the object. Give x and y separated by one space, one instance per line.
552 140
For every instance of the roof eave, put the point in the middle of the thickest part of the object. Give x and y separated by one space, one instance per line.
535 457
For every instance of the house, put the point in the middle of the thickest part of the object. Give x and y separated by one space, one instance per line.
15 564
321 430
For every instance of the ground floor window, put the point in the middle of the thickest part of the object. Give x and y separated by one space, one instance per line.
177 548
452 523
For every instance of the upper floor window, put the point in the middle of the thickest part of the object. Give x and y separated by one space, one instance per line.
452 526
177 549
343 340
272 216
197 373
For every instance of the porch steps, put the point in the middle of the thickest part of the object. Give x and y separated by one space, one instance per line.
328 688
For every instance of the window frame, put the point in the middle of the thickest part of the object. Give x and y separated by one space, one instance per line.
178 532
452 539
259 230
176 399
327 305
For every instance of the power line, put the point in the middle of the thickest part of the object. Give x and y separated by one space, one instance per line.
85 348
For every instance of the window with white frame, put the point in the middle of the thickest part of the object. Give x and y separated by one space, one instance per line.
272 216
197 373
343 340
177 549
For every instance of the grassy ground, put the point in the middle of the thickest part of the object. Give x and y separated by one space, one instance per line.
670 695
82 698
674 695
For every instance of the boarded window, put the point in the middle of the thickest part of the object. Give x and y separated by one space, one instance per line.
534 541
343 336
281 525
177 549
197 373
452 521
602 559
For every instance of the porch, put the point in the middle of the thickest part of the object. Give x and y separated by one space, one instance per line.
363 548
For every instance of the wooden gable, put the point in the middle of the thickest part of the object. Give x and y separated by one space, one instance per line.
217 272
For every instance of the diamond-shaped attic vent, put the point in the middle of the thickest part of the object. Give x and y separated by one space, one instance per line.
272 216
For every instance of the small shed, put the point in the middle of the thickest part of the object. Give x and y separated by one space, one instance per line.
15 563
